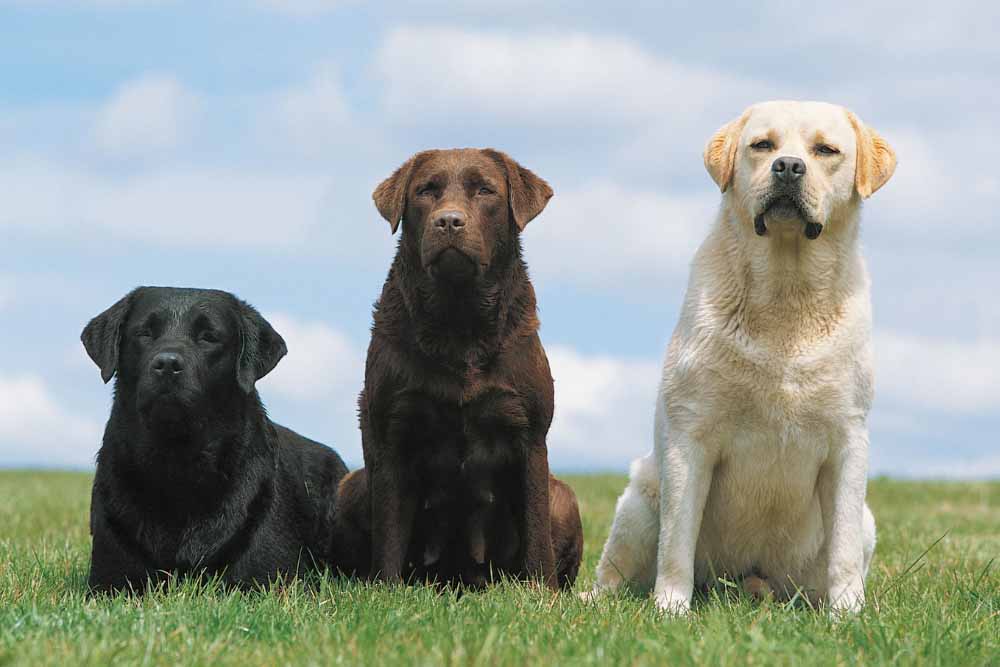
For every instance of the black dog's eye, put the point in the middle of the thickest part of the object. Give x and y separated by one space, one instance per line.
762 145
142 333
208 337
485 191
826 149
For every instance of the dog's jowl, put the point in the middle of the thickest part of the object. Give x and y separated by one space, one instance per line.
458 396
192 476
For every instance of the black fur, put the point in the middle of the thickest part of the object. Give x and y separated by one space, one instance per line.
192 476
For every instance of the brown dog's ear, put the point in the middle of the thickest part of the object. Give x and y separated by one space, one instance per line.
876 160
528 193
720 153
390 195
261 350
102 335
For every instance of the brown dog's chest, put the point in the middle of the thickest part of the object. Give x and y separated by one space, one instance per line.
446 436
464 466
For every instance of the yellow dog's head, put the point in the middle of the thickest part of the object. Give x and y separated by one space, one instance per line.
790 165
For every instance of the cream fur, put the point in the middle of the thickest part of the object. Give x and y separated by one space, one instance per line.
760 453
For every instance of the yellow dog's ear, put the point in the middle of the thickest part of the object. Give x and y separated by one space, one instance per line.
390 195
720 153
876 160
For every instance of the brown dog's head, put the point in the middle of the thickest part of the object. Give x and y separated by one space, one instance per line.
460 208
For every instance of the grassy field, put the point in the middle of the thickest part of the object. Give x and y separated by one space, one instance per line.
934 599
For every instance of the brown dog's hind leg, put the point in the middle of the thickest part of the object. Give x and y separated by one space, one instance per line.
567 532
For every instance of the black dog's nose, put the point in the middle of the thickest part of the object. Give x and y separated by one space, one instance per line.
788 169
168 363
450 220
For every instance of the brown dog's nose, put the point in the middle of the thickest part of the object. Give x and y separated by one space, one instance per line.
450 220
788 169
167 363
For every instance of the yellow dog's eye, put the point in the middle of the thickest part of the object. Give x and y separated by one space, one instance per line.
826 149
762 145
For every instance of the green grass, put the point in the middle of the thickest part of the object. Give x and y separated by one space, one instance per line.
938 607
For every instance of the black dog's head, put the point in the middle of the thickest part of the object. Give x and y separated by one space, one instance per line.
460 208
179 354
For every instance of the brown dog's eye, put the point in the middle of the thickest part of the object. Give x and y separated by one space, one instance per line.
425 191
485 191
762 145
826 149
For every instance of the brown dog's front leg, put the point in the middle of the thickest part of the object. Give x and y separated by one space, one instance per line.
539 559
392 511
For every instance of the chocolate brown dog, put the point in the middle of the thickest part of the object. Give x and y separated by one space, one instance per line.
458 396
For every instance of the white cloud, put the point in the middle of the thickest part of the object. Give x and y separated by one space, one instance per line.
314 389
193 206
36 430
927 197
146 117
312 117
938 374
322 362
441 73
606 232
897 26
604 409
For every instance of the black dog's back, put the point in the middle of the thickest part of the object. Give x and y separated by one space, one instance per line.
313 471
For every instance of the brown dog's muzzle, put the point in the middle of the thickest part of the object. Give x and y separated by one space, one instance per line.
449 251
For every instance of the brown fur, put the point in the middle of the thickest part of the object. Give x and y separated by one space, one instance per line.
458 396
488 539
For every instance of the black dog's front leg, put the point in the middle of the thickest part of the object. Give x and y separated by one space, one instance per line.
114 565
539 558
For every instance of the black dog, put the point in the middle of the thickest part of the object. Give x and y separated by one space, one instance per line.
192 476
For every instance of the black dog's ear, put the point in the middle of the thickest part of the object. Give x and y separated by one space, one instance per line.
102 335
262 348
390 195
528 192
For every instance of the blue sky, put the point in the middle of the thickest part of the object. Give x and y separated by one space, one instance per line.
236 144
